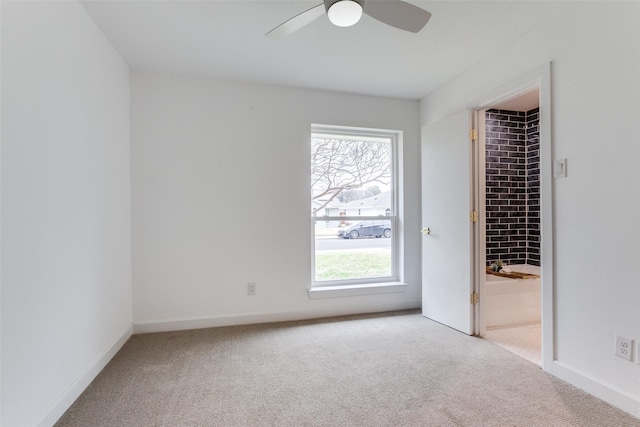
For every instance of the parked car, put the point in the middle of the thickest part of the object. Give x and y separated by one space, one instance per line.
366 229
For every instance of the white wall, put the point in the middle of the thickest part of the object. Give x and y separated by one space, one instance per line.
595 50
221 192
65 220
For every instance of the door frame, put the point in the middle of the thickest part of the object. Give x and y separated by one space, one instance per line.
540 79
480 187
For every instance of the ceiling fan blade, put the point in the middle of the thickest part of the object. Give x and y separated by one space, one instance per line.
399 14
297 22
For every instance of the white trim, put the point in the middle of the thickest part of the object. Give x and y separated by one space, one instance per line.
600 389
82 382
1 400
394 138
481 326
547 218
478 229
149 326
513 89
355 290
538 78
372 133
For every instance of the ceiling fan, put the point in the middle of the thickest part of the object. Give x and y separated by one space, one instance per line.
345 13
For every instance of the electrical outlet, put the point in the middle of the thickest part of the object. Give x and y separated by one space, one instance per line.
624 347
251 288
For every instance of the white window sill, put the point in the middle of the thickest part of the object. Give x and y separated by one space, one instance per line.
355 290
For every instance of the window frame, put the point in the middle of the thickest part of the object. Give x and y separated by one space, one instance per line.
393 137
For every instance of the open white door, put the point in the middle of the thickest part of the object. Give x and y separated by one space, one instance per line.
447 249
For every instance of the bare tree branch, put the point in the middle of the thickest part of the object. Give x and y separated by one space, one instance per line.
340 165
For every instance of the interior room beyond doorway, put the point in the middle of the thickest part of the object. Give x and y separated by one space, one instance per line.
512 304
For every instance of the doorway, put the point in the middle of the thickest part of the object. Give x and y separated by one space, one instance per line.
509 226
453 244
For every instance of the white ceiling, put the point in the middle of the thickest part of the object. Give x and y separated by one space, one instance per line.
225 40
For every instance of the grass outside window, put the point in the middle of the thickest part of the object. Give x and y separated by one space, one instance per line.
351 264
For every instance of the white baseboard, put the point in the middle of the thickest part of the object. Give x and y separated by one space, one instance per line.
143 327
79 385
598 388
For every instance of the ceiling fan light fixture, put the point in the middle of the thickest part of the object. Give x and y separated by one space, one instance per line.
345 13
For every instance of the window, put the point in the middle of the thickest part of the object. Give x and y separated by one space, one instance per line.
353 206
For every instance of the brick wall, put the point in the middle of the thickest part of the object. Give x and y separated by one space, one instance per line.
513 187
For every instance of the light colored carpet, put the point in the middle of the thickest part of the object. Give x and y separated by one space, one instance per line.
523 340
398 369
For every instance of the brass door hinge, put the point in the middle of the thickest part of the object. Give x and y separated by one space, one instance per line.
474 216
473 134
475 298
